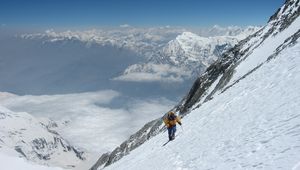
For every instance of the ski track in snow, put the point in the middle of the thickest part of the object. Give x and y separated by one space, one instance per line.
254 125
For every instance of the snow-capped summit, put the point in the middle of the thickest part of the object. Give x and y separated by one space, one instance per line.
188 52
189 47
24 136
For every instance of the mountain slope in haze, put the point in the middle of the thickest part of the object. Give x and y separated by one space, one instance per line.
23 135
243 106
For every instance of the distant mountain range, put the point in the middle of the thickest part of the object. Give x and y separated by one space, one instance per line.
168 54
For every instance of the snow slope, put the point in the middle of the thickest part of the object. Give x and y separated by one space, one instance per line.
254 125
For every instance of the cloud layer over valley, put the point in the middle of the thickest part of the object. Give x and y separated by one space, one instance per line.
86 120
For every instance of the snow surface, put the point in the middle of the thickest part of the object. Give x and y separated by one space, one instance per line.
253 125
15 163
267 48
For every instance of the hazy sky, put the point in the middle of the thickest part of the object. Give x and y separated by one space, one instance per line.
75 13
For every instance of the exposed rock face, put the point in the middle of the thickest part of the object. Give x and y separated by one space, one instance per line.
222 70
149 130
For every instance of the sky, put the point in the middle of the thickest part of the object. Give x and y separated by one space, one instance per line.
86 13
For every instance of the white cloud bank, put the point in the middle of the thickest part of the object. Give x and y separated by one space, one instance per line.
154 73
91 125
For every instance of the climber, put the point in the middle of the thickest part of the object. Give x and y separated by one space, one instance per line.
170 121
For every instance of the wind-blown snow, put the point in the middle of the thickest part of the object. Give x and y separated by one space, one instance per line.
253 125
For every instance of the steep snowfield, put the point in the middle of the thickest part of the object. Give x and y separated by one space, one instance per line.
253 125
261 54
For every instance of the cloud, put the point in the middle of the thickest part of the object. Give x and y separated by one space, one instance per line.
55 106
154 73
92 124
148 77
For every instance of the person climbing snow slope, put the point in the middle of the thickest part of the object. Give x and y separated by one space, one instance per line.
170 121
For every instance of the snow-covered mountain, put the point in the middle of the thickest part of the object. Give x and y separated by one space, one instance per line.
242 113
54 62
157 47
189 47
145 41
184 57
24 136
235 31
